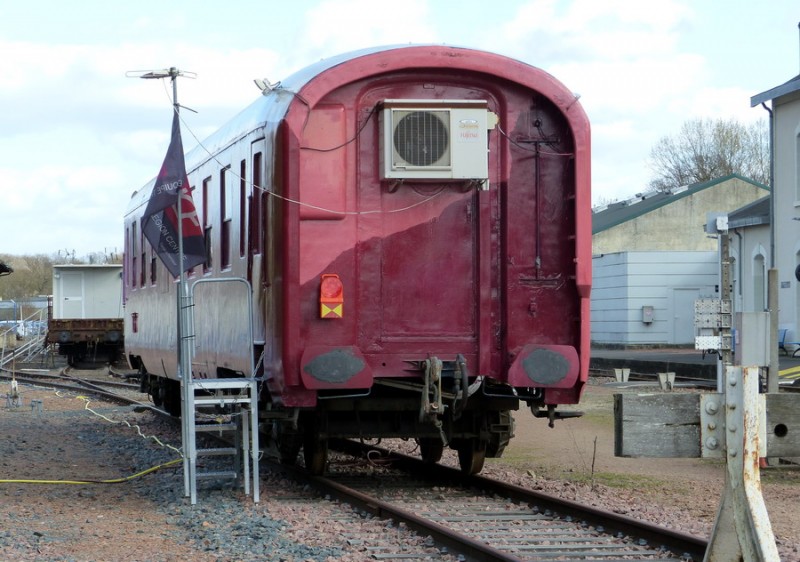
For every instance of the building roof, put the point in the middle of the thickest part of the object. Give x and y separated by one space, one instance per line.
792 85
753 214
623 211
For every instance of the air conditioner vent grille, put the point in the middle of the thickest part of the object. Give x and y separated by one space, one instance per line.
433 139
421 138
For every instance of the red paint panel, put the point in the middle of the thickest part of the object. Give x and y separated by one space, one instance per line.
323 187
428 280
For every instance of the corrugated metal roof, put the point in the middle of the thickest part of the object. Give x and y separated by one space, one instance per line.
753 214
618 213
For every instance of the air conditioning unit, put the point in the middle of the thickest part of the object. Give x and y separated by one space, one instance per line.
434 139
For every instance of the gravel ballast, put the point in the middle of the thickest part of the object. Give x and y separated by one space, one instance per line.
148 518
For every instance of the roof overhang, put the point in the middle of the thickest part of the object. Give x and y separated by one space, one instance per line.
789 87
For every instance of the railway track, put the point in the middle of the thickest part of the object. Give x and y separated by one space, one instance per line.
691 382
109 390
474 517
490 520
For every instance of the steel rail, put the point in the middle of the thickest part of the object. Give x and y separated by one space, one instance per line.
612 523
82 387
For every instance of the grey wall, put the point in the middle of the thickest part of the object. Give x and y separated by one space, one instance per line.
669 282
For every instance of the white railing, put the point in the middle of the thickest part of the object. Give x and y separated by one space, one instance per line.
21 340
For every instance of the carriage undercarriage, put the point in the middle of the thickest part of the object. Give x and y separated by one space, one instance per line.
471 416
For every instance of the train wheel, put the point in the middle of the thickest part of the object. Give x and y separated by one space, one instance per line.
172 397
471 455
315 453
289 442
157 392
431 449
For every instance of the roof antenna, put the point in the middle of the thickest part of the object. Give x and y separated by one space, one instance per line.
266 86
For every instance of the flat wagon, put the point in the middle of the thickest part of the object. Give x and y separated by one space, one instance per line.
85 313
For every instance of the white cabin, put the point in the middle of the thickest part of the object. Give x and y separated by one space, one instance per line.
87 291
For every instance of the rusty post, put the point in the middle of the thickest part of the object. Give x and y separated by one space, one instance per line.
742 530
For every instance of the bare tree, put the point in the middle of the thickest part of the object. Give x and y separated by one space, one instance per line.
32 277
33 274
706 149
603 200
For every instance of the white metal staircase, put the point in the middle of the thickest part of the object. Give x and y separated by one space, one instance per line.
238 398
219 405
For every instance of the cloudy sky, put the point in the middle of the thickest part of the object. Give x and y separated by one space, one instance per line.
77 136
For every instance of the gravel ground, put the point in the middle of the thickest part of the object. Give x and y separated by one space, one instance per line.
148 518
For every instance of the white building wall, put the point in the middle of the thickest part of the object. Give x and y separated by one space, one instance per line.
749 249
625 283
787 208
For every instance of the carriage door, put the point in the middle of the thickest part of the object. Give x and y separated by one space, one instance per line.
418 274
424 263
71 295
257 229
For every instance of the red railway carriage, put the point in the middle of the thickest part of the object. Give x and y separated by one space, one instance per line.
415 225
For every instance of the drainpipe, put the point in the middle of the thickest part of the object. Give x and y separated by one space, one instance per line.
739 271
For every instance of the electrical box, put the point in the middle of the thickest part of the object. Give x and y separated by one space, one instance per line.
712 321
716 223
648 314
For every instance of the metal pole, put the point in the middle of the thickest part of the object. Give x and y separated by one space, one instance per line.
742 530
726 304
183 305
184 348
772 305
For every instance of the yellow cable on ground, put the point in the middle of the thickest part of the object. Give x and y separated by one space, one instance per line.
112 480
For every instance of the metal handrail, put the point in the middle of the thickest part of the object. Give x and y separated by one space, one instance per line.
32 343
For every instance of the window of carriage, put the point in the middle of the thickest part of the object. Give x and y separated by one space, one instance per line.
126 257
256 224
133 252
225 210
206 224
242 207
143 246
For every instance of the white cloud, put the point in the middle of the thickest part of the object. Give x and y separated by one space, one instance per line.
333 27
74 126
720 103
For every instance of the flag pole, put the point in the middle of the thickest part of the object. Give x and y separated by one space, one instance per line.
174 73
171 192
184 345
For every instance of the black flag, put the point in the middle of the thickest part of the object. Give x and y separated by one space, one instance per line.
160 220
